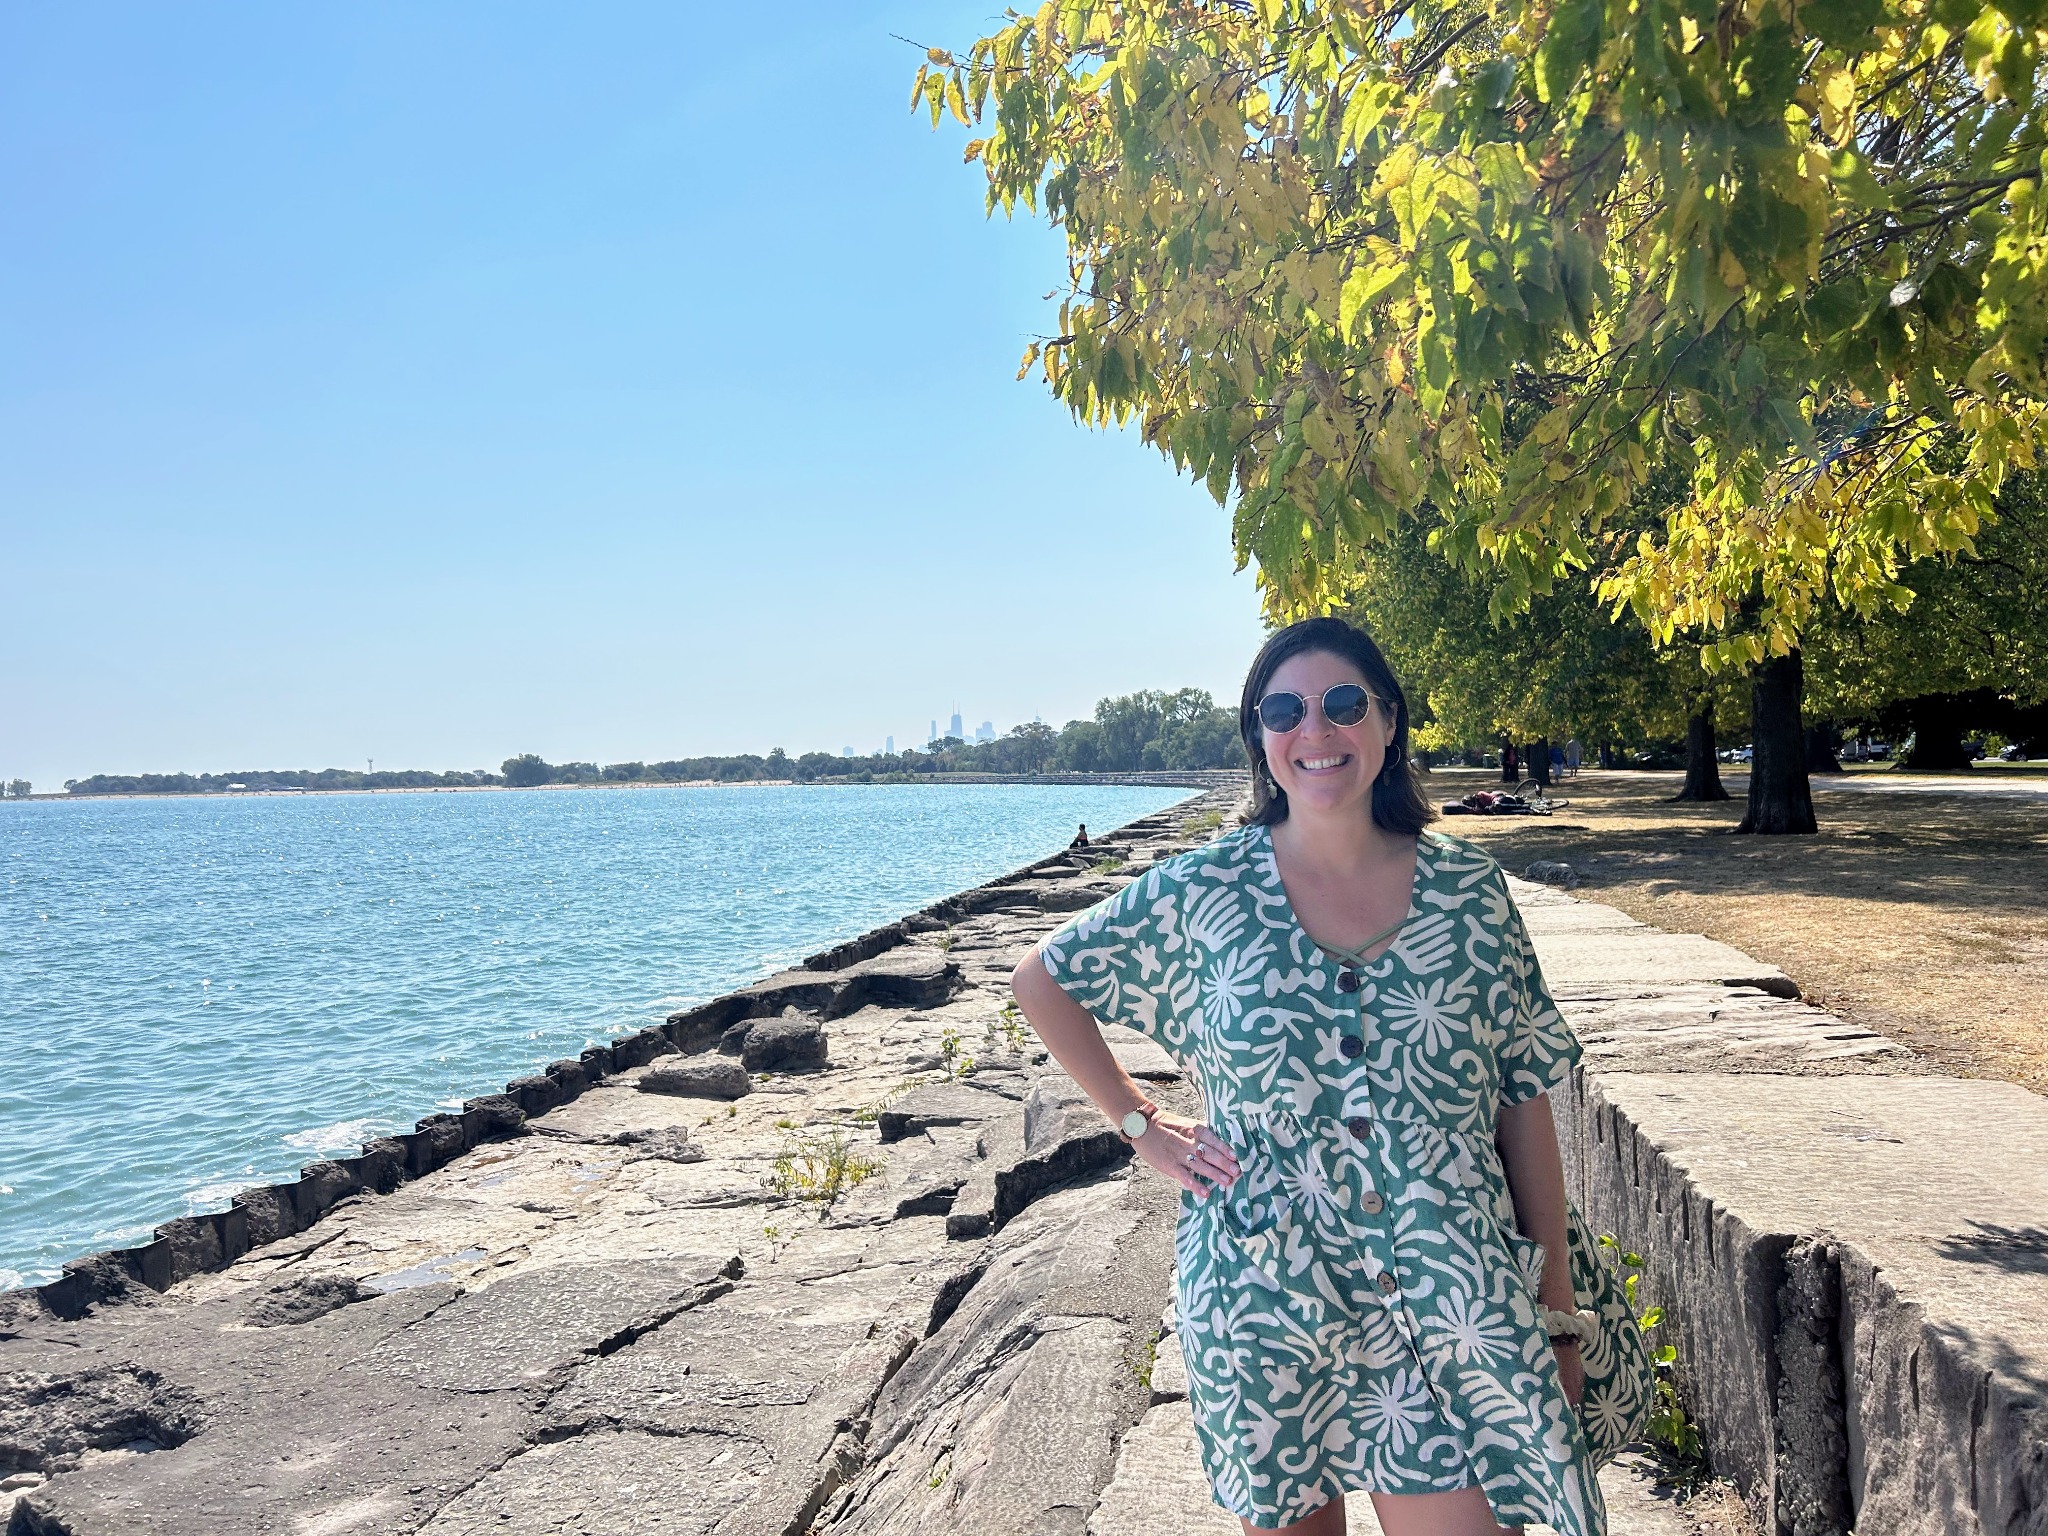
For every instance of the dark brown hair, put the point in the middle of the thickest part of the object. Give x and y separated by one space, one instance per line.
1397 801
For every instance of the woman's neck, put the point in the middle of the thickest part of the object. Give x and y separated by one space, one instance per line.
1335 843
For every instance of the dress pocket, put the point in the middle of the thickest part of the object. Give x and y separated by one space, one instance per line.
1529 1257
1256 1223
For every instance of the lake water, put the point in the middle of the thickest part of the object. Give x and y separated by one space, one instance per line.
198 995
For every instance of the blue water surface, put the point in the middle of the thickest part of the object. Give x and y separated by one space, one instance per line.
197 995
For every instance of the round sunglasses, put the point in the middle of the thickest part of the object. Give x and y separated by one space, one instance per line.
1345 704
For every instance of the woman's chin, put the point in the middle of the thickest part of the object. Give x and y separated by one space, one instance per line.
1321 794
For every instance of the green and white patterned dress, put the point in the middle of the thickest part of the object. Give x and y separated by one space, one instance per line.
1358 1309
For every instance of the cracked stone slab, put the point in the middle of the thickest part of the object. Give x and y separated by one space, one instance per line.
1140 1055
1169 1367
961 1439
1696 1028
1644 957
611 1483
940 1104
521 1329
926 1173
1057 1137
284 1426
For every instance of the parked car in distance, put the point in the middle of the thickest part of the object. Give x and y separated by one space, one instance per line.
2013 753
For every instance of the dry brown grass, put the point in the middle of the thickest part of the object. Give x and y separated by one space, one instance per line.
1922 916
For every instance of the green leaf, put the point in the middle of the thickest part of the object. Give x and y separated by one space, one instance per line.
1570 43
1843 24
1364 283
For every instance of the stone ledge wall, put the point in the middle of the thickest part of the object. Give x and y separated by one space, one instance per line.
1851 1250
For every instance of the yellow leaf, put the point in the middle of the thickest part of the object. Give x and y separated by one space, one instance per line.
1837 102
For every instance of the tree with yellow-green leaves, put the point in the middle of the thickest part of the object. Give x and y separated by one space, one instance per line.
1496 265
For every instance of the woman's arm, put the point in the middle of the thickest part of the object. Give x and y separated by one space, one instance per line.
1075 1040
1527 1138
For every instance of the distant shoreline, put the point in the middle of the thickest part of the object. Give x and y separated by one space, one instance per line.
1185 778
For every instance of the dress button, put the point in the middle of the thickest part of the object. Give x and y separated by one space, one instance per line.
1347 980
1371 1203
1388 1285
1351 1045
1358 1126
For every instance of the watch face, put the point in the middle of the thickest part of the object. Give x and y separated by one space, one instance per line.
1135 1123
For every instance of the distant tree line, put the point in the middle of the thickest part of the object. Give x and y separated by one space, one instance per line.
1132 734
275 778
1139 732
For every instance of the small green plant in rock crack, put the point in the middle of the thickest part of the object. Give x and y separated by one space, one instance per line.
1141 1356
1010 1025
1108 866
1207 821
945 940
958 1062
817 1170
785 1124
1674 1437
868 1114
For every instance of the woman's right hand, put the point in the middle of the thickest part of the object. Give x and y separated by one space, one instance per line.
1188 1152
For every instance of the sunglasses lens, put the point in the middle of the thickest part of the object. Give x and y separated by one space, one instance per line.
1281 711
1346 704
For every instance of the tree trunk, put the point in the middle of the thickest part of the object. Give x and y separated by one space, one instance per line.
1606 754
1937 733
1780 796
1509 765
1702 768
1538 765
1823 740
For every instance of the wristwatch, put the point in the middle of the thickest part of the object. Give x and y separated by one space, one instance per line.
1135 1124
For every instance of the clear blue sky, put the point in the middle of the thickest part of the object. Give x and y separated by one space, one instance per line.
434 382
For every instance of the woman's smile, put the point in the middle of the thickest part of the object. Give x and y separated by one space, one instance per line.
1322 764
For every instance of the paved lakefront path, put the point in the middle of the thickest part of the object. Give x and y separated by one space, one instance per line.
584 1307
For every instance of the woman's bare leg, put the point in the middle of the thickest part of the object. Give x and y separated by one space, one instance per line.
1326 1520
1463 1512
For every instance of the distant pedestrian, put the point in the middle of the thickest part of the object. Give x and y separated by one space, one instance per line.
1080 837
1557 762
1571 758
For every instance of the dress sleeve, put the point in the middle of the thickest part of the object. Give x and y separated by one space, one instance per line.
1541 1048
1127 962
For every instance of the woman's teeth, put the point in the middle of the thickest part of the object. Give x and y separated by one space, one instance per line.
1313 763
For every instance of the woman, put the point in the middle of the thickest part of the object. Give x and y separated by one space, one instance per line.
1363 1300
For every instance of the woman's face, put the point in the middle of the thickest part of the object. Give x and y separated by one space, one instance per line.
1325 768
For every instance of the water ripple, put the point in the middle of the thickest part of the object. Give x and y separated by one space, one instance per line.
196 995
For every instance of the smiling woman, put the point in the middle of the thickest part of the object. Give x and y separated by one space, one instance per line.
1324 656
1382 1286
